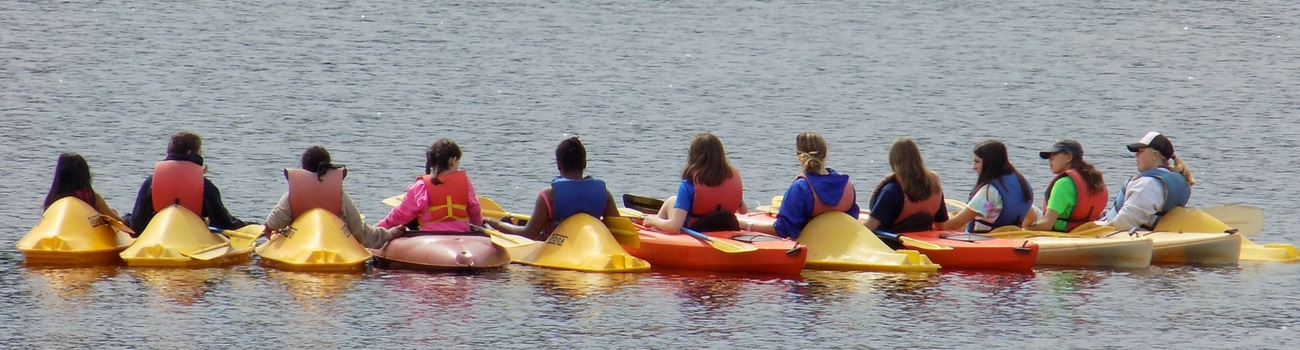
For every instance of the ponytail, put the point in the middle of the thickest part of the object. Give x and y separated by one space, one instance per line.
1181 168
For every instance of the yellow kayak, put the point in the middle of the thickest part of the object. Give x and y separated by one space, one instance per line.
1188 235
177 237
837 242
315 241
71 232
1097 247
580 243
1249 220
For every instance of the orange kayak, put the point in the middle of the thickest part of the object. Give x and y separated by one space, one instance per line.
960 250
754 252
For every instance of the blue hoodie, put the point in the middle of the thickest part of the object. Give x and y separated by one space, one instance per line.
797 204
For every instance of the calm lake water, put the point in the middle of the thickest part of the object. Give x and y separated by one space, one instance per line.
378 81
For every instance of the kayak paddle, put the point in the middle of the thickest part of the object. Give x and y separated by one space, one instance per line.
1248 220
721 245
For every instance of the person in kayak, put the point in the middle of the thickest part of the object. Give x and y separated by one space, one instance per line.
442 199
1076 195
1001 197
817 189
709 195
72 179
319 184
909 199
569 194
1158 187
179 180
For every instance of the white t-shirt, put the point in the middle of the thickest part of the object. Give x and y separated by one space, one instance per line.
987 205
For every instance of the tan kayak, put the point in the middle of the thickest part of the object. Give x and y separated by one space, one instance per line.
1096 247
71 232
1188 235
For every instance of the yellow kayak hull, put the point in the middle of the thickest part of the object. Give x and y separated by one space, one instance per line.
1195 220
71 232
1098 248
580 243
1188 235
174 230
316 241
837 242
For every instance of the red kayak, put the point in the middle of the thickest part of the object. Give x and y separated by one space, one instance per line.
960 250
729 251
442 252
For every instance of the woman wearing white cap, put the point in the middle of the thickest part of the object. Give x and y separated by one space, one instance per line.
1156 189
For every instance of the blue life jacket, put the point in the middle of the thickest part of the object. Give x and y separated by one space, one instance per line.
578 196
1177 190
1014 205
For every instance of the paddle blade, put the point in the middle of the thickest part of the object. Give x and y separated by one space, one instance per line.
721 245
922 245
507 240
394 200
491 208
1248 220
624 231
642 203
208 253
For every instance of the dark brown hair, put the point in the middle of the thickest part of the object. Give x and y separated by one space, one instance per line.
185 142
706 161
918 182
993 154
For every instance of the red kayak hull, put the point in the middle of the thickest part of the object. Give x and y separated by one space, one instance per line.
975 251
442 253
773 255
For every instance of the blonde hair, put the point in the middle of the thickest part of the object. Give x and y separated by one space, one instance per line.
810 149
1181 168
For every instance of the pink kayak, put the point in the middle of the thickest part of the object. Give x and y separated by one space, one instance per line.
442 251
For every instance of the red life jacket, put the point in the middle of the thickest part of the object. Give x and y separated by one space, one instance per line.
926 207
727 196
847 198
177 182
308 191
448 201
1090 205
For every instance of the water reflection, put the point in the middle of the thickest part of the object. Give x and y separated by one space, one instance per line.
67 287
314 290
181 286
836 286
575 285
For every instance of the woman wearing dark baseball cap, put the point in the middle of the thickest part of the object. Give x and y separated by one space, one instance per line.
1157 188
1076 195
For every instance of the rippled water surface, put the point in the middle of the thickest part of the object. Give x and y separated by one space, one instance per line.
377 81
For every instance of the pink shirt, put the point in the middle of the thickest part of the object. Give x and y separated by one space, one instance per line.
416 204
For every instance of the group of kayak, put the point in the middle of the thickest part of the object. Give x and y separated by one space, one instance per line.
440 223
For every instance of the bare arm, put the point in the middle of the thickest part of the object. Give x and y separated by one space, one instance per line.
872 223
536 222
1044 223
102 207
676 217
958 223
